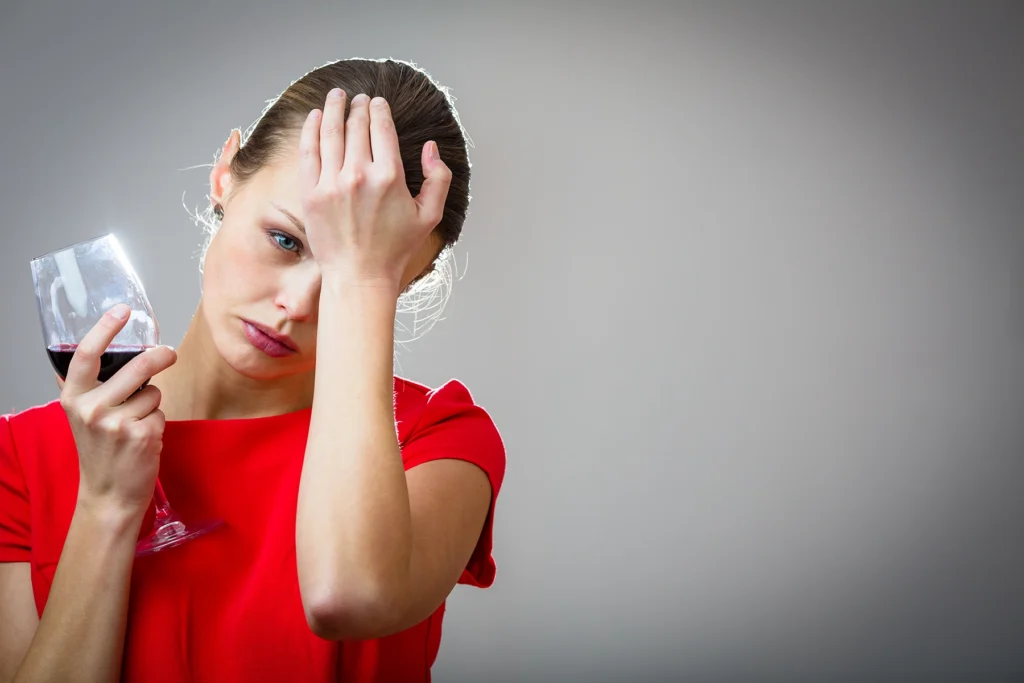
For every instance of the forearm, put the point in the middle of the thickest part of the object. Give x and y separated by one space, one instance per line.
353 535
81 632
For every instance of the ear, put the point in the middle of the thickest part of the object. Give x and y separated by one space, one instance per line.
220 176
419 277
424 261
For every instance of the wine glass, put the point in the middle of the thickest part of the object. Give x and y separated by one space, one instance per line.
74 287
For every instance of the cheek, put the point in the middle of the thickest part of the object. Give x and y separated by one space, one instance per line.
214 274
233 270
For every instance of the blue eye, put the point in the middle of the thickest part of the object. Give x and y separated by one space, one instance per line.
285 242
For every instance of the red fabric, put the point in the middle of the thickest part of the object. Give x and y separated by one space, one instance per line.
226 607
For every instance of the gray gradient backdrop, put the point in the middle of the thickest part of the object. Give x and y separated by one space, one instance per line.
743 287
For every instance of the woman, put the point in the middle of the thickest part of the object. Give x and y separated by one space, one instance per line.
353 500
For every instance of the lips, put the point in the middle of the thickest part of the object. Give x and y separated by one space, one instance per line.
268 341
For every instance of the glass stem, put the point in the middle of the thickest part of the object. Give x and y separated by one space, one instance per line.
163 508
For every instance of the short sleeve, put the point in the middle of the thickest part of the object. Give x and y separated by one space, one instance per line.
15 543
451 425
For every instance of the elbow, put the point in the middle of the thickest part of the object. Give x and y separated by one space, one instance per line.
355 613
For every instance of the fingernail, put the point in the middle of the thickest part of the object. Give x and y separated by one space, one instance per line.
335 92
121 311
153 349
433 153
360 98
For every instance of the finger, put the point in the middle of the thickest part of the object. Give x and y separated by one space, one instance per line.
85 363
383 139
437 178
141 404
309 152
155 418
134 374
332 135
357 132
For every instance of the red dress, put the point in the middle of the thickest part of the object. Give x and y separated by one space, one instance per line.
226 607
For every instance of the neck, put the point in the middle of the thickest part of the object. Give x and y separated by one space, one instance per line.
201 386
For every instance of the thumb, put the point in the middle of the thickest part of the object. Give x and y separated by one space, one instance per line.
437 178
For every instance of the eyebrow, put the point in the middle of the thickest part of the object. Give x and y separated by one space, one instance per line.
291 217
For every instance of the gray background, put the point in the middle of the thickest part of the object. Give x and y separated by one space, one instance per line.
742 285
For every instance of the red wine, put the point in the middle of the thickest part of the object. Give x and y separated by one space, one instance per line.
115 358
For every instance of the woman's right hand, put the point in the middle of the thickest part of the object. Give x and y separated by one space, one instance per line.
118 432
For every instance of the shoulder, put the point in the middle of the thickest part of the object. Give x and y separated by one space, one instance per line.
39 439
446 421
417 405
35 422
39 477
410 395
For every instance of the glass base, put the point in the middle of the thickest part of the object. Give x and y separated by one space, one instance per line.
170 532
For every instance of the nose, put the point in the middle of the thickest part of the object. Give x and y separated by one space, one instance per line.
299 293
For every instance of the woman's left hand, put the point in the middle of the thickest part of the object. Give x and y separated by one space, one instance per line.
362 223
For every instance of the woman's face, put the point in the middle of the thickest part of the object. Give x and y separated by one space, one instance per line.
259 276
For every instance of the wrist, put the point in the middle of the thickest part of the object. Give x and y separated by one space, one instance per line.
347 275
343 282
108 515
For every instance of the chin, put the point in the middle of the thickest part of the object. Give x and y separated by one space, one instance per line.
252 368
250 362
254 364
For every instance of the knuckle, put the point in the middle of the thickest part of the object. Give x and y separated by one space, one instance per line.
330 130
140 433
145 363
386 175
89 414
113 427
323 196
353 178
156 423
312 203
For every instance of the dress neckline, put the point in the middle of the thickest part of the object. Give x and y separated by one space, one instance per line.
241 421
